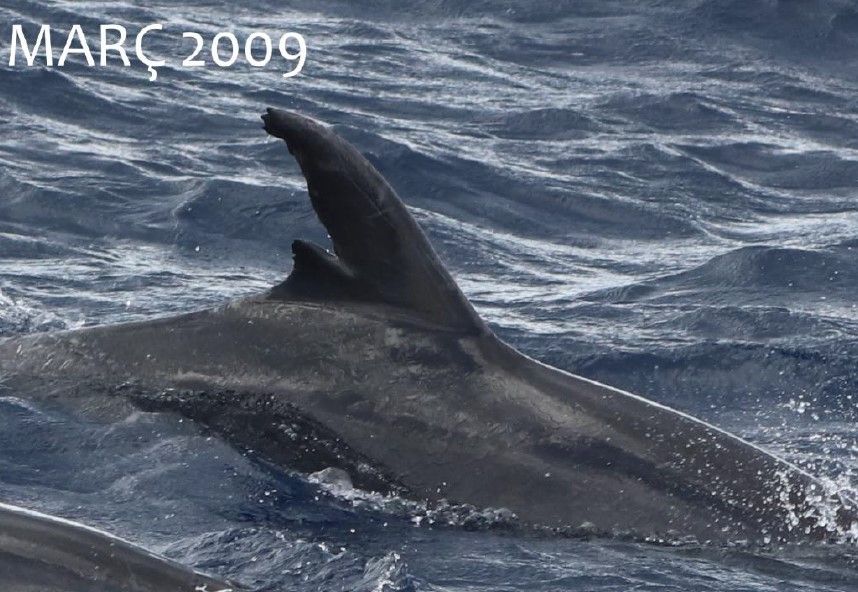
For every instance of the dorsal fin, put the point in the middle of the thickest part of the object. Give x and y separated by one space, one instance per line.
381 252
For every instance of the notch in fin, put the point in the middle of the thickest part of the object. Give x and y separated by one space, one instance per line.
319 275
380 253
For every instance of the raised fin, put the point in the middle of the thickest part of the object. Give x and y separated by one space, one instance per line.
381 253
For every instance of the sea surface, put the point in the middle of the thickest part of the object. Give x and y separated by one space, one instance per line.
660 195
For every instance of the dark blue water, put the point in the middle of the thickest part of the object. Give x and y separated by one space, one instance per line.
659 195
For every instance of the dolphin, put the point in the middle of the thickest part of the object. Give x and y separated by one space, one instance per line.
42 553
371 360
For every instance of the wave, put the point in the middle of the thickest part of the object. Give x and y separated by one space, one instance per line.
825 27
779 167
679 111
544 124
760 271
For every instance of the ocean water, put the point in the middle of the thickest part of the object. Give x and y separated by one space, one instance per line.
658 195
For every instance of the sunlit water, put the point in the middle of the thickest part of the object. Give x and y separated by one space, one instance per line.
657 195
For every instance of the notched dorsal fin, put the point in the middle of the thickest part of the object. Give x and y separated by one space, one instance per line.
318 274
380 253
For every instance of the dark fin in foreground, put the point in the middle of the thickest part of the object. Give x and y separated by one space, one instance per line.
51 554
382 254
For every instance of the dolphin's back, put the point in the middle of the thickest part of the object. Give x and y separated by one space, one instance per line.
440 414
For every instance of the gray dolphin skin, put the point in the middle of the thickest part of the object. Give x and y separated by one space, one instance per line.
41 553
370 359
